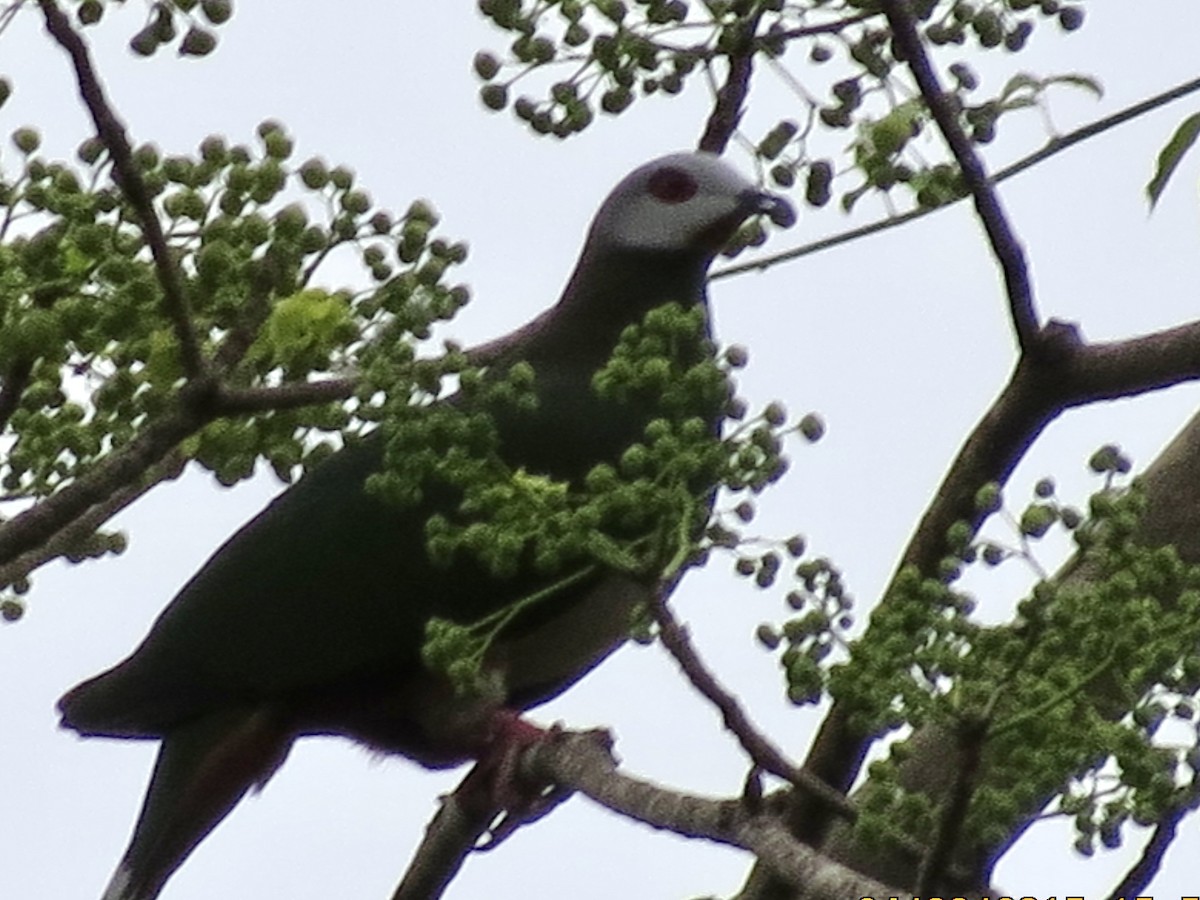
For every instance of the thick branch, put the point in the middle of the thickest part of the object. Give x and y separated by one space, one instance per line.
586 765
1005 245
1138 878
971 740
449 838
1073 374
112 133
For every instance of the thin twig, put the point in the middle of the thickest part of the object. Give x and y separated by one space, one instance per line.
727 110
824 28
1054 146
1005 245
111 132
762 752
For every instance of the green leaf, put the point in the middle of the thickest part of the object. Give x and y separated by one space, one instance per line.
1079 80
1171 155
1017 82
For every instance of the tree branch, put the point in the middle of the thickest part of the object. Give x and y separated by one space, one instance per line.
971 740
199 403
762 752
1138 878
1005 245
112 134
727 110
239 401
449 838
1067 374
12 386
1054 146
64 542
580 762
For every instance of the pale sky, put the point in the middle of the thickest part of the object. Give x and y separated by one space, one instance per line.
900 341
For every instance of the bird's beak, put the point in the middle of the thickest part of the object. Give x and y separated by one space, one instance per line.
773 206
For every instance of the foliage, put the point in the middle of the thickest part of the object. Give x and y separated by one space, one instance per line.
649 516
90 358
847 77
1073 705
1172 155
1066 702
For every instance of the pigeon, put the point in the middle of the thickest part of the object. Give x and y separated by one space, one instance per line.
310 620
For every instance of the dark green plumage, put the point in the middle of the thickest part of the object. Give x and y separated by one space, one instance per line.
311 618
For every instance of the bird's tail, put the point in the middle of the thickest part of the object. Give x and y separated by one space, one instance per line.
203 769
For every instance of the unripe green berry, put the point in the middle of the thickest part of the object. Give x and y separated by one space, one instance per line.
494 96
356 202
27 140
486 65
145 42
217 11
812 427
314 173
197 42
768 636
89 150
90 12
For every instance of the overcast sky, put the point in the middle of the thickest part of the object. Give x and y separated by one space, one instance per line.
900 341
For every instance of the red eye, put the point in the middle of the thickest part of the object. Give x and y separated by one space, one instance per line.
671 185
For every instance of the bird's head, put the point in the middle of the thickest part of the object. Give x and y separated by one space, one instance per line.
684 202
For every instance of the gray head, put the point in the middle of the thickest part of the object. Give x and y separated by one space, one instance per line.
682 202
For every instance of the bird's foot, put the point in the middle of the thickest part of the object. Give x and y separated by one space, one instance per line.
498 782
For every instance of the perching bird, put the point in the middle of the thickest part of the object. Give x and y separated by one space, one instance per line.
310 619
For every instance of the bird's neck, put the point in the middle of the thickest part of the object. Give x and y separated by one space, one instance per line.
612 289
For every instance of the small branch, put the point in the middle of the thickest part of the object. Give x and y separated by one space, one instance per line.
727 110
834 27
972 737
579 762
83 527
1005 245
112 133
449 838
1053 147
12 386
1138 878
239 401
198 405
39 524
762 752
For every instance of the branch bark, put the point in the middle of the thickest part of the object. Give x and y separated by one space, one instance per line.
731 98
111 132
1005 245
586 765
